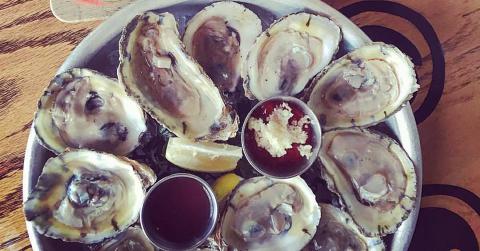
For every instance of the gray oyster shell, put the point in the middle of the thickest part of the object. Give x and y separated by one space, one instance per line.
82 108
86 196
362 88
373 176
169 84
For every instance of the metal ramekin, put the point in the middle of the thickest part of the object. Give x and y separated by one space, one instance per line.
213 209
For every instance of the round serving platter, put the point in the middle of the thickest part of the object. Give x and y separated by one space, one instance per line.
99 51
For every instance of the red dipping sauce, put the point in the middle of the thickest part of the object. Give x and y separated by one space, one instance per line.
292 163
179 212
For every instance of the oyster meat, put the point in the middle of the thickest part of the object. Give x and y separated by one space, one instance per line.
270 214
338 232
363 87
132 239
86 196
169 84
373 176
219 38
288 54
82 108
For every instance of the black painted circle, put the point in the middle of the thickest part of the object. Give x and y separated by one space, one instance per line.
439 229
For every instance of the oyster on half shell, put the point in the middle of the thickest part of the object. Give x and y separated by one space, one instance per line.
169 84
82 108
338 232
211 244
270 214
288 54
363 87
132 239
219 37
373 176
86 196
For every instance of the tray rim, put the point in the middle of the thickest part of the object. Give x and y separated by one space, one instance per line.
402 123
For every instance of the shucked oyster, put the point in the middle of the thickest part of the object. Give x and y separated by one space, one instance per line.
168 83
338 232
219 38
132 239
288 54
372 175
270 214
82 108
211 244
363 87
85 196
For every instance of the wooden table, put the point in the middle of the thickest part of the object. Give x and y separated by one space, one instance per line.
33 44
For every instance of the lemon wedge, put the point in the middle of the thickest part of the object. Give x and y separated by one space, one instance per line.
203 156
225 184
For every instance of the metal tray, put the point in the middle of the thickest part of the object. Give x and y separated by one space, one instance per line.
99 51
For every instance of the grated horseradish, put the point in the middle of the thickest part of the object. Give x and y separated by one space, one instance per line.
277 134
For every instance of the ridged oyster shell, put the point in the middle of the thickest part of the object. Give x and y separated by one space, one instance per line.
270 214
219 37
82 108
337 232
373 176
362 88
132 239
288 54
169 84
86 196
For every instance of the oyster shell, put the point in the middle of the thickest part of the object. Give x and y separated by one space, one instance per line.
82 108
372 175
288 54
338 232
86 196
363 87
219 37
169 84
132 239
270 214
211 244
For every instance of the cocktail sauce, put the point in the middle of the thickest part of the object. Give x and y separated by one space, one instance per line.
290 163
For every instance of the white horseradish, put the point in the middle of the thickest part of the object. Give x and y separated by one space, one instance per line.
277 135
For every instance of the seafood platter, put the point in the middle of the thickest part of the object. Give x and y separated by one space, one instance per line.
205 125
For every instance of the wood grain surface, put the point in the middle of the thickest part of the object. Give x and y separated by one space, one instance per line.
33 44
85 10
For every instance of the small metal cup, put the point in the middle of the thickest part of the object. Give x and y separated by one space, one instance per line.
148 228
315 129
